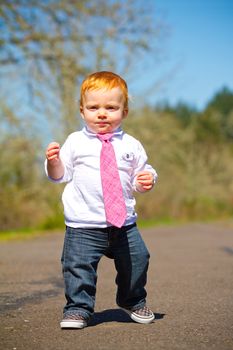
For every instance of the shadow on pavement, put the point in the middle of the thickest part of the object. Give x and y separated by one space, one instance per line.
13 301
115 315
228 250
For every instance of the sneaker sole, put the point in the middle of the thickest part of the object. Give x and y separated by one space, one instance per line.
139 319
73 324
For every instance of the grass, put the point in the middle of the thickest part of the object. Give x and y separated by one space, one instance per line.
23 234
143 223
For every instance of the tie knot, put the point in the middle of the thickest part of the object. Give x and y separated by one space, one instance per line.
105 137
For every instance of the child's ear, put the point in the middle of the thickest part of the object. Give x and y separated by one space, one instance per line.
125 112
81 112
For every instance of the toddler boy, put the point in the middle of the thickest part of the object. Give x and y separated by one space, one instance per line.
102 166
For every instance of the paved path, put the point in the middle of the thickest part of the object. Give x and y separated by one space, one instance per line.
190 289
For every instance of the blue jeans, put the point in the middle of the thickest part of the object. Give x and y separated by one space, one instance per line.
82 251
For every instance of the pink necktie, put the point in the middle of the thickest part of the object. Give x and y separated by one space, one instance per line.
114 203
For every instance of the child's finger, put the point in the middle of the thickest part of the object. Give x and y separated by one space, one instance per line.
145 182
54 147
52 157
52 154
144 175
145 178
53 150
148 187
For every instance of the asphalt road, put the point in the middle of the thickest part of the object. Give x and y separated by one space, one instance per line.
190 289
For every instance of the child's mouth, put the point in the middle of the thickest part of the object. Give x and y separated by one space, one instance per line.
102 123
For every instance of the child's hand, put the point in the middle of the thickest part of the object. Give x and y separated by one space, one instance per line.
52 152
144 181
54 165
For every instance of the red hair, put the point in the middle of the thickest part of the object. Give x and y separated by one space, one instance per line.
104 80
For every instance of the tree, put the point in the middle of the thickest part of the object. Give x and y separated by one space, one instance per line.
222 101
221 105
50 45
182 111
46 49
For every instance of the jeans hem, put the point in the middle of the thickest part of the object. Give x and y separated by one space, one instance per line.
134 307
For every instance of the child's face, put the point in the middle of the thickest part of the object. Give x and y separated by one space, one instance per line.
103 110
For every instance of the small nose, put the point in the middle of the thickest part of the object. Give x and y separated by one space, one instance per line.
102 113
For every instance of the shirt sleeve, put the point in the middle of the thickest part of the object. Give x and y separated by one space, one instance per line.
142 165
66 158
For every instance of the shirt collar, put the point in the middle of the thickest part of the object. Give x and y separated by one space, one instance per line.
117 133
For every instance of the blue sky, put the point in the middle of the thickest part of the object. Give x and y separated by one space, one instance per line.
196 55
198 59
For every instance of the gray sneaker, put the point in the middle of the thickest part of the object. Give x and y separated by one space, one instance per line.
73 321
142 315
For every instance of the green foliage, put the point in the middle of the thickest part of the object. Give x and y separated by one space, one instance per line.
221 109
183 113
194 164
26 197
192 151
49 46
222 102
193 160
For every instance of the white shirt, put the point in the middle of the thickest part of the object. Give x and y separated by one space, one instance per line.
82 197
